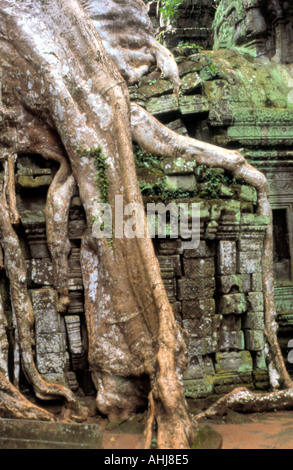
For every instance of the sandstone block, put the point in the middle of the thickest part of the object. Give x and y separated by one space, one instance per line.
226 257
255 301
199 268
232 303
254 340
254 321
249 262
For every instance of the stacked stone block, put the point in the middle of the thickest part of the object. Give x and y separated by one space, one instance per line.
217 297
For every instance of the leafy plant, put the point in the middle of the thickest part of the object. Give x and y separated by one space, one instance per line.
188 48
214 180
101 164
159 189
144 159
170 9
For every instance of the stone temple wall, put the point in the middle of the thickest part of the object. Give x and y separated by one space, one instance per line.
215 289
192 24
216 293
232 100
262 28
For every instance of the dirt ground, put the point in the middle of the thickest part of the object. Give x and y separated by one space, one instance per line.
253 431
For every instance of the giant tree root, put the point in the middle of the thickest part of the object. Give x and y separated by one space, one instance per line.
56 213
243 400
15 268
14 405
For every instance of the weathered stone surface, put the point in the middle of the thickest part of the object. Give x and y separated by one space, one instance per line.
261 379
233 361
193 104
76 228
233 282
226 382
47 320
231 340
50 347
170 288
232 303
169 247
250 244
199 327
27 434
204 250
156 88
226 257
178 126
254 321
198 388
41 271
231 322
74 333
170 264
190 83
199 268
197 309
254 340
34 181
185 183
164 105
245 193
207 438
260 361
249 262
191 289
48 343
255 301
178 166
256 282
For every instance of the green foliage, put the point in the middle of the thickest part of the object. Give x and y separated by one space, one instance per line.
188 48
159 189
170 9
154 443
101 164
214 179
144 159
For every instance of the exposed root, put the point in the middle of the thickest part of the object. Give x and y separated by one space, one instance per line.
14 405
16 272
146 441
14 215
243 400
56 212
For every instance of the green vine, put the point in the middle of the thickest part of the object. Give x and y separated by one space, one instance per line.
101 165
214 179
187 48
144 159
170 9
159 189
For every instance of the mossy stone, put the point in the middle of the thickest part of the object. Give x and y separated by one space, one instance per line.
207 438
